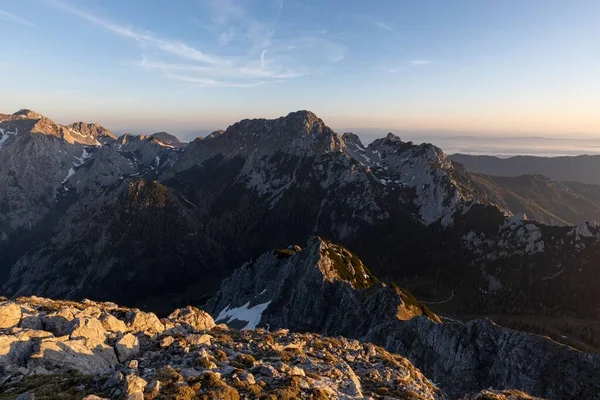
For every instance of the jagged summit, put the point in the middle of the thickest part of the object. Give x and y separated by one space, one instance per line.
353 138
168 139
92 129
309 280
24 112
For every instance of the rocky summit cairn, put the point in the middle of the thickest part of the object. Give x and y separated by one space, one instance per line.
93 350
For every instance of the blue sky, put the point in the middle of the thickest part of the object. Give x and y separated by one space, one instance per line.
510 67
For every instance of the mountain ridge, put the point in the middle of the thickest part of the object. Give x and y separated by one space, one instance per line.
149 225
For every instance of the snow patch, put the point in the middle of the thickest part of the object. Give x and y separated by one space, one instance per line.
251 315
69 174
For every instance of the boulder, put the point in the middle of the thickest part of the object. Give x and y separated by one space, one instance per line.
59 322
10 314
112 323
145 322
18 346
192 318
127 347
134 384
89 329
195 339
63 354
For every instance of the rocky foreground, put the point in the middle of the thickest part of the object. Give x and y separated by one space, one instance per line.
69 350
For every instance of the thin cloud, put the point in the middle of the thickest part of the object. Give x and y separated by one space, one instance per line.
6 16
181 62
417 63
411 64
384 26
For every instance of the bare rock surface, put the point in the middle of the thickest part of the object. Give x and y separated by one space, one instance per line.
136 360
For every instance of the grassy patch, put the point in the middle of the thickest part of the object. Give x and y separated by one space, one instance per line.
71 386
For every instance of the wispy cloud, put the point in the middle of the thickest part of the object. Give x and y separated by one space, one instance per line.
263 59
417 63
384 26
6 16
410 64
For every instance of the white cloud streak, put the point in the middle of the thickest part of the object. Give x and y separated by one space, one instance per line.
384 26
6 16
181 62
417 63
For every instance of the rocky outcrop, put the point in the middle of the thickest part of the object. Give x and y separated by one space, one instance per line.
322 288
87 337
326 289
213 362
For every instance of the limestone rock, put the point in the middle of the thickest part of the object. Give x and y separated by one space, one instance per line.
127 347
134 384
63 355
89 329
192 318
197 339
59 322
10 314
145 322
112 323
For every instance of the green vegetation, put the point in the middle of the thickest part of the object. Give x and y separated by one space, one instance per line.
72 386
412 301
349 267
283 253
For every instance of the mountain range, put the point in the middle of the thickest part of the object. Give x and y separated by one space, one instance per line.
151 222
566 168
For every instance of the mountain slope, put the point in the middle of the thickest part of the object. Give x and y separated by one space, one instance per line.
575 169
70 350
326 289
543 200
148 225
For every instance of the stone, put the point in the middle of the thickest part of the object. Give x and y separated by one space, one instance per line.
192 318
63 354
16 348
268 371
112 323
153 388
145 322
10 314
190 373
59 322
89 329
92 312
127 347
194 339
134 384
166 341
296 371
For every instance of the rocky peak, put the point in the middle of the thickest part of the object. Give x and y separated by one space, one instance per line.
352 138
93 130
30 114
309 280
168 139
